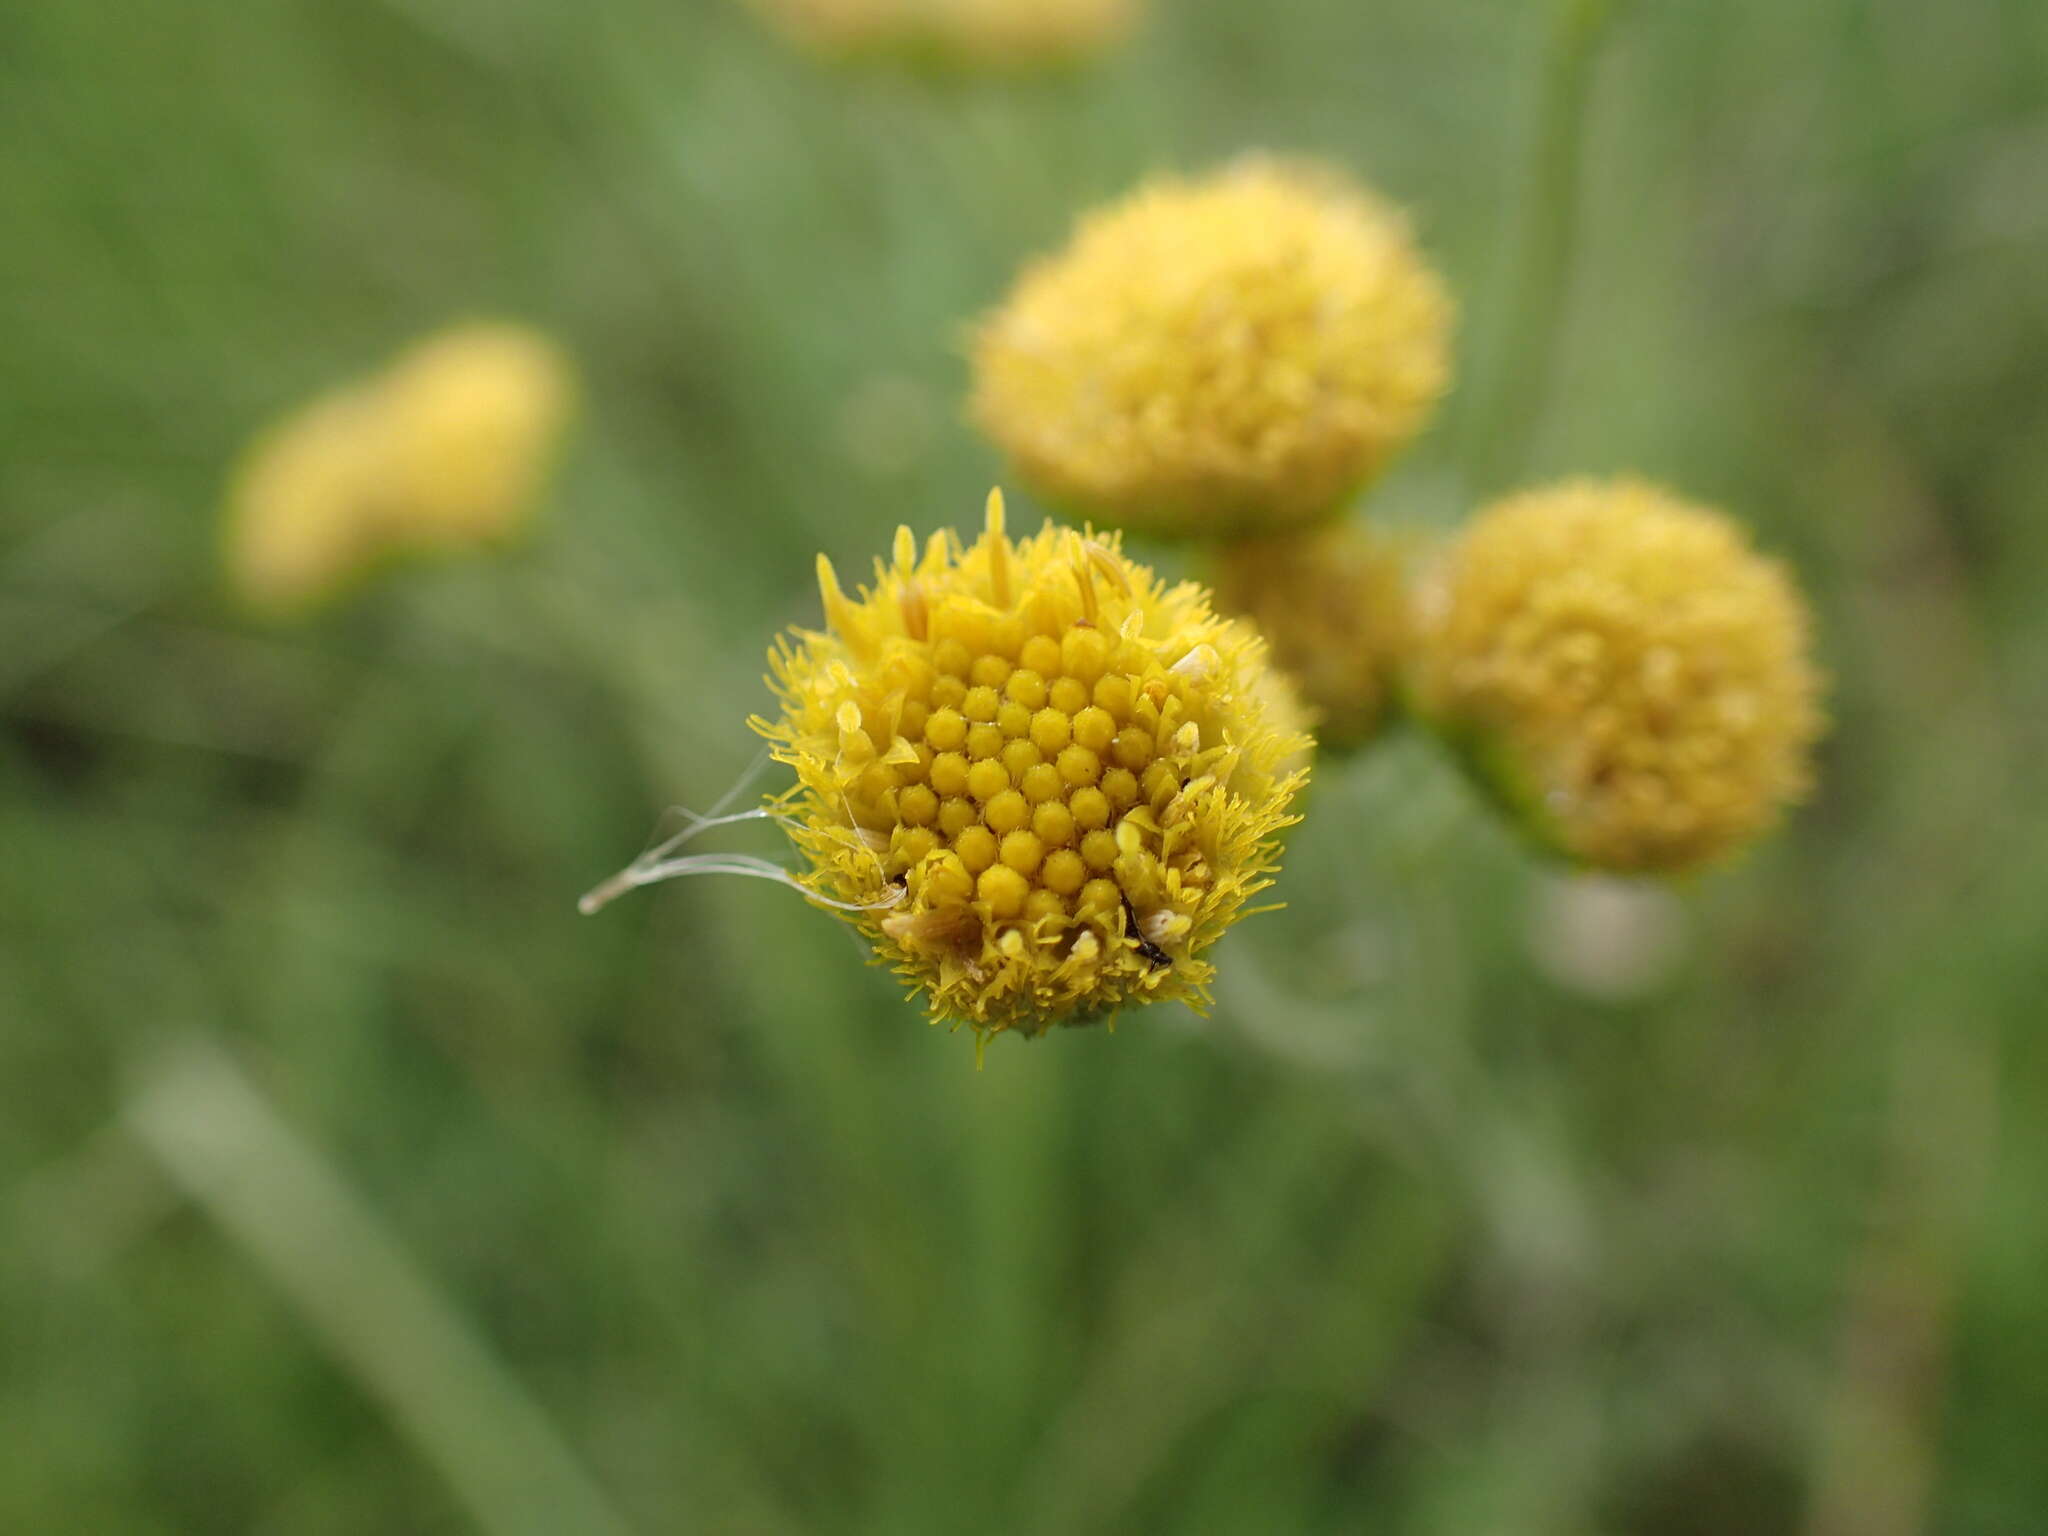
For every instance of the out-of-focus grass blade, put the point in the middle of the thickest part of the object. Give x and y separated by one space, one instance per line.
199 1115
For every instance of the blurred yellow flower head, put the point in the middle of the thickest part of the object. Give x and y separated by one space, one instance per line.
1230 355
1050 780
1624 670
446 449
997 34
1332 602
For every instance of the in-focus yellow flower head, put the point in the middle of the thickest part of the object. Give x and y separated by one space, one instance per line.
1050 780
1230 355
1332 602
1004 35
447 449
1624 671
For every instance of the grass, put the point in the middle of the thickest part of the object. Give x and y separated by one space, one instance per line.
1429 1230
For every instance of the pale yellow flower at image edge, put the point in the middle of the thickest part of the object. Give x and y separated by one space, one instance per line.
992 33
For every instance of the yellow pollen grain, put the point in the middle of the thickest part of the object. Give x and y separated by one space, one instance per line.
1069 695
987 779
1051 730
949 774
977 849
1019 758
1121 789
952 657
1079 767
1101 897
1022 851
1044 905
1063 872
1083 654
1027 688
1098 849
1094 729
1054 823
1003 889
1041 782
1041 654
1006 812
1090 807
1133 748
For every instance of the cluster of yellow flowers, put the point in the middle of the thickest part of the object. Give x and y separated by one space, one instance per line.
987 34
1039 779
1043 782
1230 359
444 450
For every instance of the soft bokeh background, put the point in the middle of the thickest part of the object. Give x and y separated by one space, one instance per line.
350 1182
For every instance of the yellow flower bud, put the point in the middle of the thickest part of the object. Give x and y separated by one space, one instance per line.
1333 605
1224 356
1624 671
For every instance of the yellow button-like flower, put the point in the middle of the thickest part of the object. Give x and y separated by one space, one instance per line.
472 417
1333 604
446 449
300 525
990 34
1038 779
1624 671
1230 355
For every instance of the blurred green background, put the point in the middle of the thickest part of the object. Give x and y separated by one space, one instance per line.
350 1182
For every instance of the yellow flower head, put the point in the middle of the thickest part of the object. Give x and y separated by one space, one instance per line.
990 34
1230 355
1048 781
299 527
446 449
1332 602
473 417
1624 671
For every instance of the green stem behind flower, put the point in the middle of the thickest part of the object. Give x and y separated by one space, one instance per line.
1535 286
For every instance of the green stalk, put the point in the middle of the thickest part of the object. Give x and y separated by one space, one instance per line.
1537 283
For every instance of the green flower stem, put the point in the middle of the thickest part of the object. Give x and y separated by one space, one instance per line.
1536 284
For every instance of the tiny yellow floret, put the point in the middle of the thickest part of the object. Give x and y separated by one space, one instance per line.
446 449
1623 671
1229 355
1039 902
1000 35
1333 604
